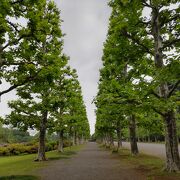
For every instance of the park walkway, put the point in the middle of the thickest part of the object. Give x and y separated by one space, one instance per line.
91 163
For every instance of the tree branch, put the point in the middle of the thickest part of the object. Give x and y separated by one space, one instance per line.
173 88
135 40
175 17
170 43
157 111
9 89
146 4
18 1
13 25
28 79
13 42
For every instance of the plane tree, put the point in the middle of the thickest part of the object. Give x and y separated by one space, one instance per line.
21 27
153 41
33 108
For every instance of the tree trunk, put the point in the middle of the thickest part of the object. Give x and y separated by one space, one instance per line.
107 141
139 139
75 137
119 137
42 134
155 139
82 139
60 144
172 154
78 140
104 140
71 136
132 133
111 141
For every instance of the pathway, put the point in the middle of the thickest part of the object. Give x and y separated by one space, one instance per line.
92 163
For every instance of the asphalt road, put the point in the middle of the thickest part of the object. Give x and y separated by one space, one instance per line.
150 148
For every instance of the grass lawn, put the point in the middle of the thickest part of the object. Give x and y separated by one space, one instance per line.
22 167
152 167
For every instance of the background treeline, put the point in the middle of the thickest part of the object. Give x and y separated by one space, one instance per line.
138 95
32 62
152 133
8 135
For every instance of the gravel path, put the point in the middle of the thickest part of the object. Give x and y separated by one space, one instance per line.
150 148
92 163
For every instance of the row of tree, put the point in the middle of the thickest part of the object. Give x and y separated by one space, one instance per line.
150 131
33 63
139 81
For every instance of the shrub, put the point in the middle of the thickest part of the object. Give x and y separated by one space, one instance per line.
4 151
16 149
28 148
67 143
51 146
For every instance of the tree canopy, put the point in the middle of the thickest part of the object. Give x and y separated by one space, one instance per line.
140 76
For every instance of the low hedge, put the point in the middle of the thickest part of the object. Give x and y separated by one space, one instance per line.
16 149
67 143
28 148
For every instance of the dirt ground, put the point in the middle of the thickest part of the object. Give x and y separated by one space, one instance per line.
92 163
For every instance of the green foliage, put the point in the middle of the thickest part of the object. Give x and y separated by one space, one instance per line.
16 149
26 148
52 95
69 110
16 54
130 77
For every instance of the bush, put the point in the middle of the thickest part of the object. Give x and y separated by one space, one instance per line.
4 151
67 143
14 148
51 146
29 148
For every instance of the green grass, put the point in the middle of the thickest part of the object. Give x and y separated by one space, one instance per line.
22 177
152 167
18 167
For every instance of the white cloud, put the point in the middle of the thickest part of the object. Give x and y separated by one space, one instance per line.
85 24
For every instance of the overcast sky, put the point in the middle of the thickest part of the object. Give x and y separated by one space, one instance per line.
85 25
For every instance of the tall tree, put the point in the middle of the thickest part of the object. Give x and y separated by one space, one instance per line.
17 27
48 63
156 36
78 122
